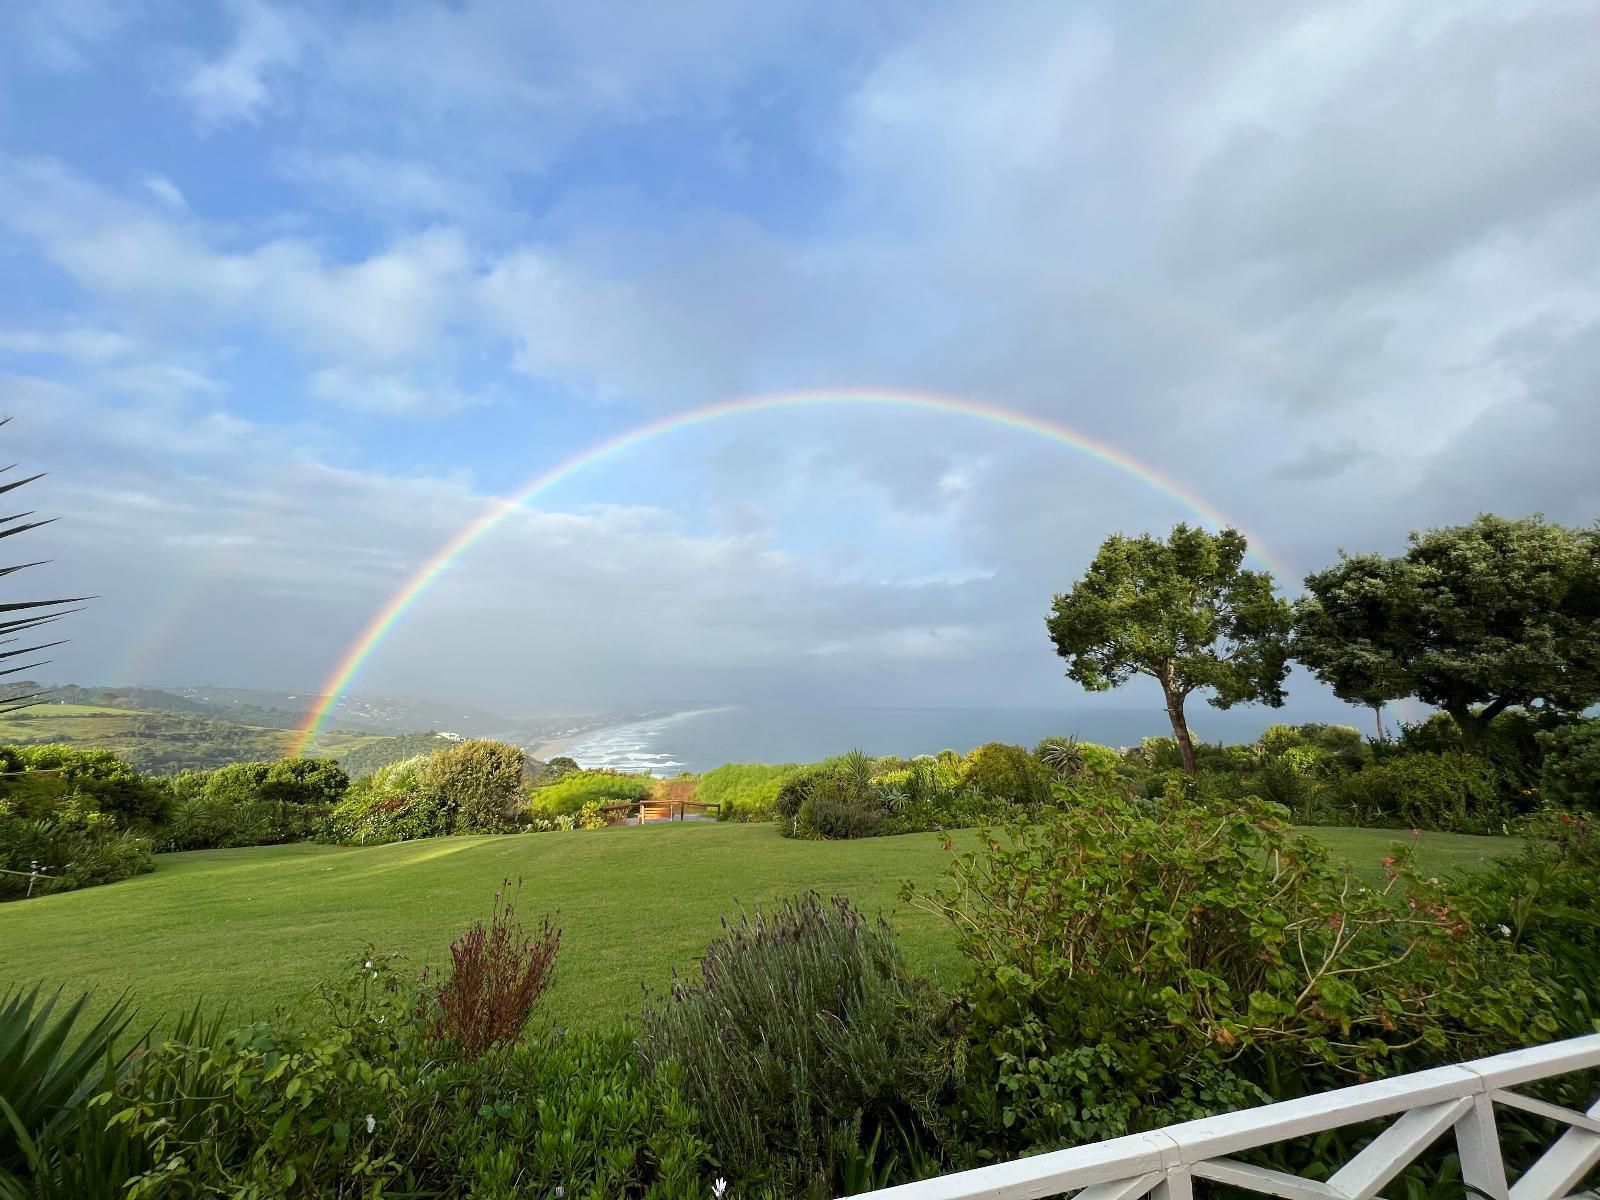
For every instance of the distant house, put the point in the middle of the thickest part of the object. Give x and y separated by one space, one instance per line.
448 736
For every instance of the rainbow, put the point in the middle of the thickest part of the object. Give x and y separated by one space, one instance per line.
379 627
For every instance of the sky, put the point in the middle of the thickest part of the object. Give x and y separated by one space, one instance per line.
291 293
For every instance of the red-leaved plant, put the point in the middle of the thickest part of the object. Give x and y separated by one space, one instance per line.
497 974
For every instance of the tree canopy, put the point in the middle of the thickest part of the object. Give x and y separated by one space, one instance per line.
1185 612
1472 619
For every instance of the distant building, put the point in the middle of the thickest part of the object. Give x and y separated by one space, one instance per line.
448 736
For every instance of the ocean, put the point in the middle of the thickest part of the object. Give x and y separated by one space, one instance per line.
701 739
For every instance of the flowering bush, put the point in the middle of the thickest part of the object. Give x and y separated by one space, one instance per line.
497 974
804 1039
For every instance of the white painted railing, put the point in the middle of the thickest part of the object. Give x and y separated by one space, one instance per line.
1166 1162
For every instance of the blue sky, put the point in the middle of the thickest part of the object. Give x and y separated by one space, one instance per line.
293 291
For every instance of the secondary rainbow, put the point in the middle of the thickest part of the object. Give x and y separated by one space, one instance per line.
378 628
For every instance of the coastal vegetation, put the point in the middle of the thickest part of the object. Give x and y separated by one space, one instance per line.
923 963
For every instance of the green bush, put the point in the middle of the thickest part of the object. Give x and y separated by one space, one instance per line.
744 791
1570 775
1459 793
567 795
804 1039
478 782
77 847
38 780
1132 967
1007 773
1545 899
575 1113
388 805
833 813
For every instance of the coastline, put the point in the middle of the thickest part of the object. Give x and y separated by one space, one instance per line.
552 747
555 747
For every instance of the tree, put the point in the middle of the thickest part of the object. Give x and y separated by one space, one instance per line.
24 615
1472 619
1184 612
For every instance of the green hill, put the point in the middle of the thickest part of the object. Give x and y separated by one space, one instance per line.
165 742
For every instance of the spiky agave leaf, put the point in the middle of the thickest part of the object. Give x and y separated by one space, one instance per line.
49 1066
29 614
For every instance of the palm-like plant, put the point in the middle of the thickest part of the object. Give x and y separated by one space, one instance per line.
23 616
49 1067
1062 755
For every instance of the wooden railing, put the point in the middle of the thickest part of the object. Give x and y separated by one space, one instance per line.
1164 1163
638 808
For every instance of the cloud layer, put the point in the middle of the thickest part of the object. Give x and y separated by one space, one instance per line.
321 285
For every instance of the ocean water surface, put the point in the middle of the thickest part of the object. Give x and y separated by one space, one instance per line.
704 738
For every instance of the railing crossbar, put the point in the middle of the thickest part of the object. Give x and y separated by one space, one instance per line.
1427 1104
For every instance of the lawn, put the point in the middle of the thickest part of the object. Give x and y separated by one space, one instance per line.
259 927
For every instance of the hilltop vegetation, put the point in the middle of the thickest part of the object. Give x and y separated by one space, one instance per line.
184 737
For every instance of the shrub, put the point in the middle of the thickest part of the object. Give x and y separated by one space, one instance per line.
78 847
574 1114
1133 967
831 813
497 974
38 780
562 765
1008 773
744 791
568 795
1570 777
792 794
478 782
1544 899
1454 792
804 1038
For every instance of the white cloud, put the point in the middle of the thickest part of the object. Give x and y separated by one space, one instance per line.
80 344
389 306
164 190
369 184
387 392
234 86
63 35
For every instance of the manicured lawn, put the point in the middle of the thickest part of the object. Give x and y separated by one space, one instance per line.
259 927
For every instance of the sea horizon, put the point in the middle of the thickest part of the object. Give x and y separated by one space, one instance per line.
697 740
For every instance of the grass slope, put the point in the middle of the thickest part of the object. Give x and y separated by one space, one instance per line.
259 927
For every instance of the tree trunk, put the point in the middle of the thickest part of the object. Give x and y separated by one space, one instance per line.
1383 735
1180 730
1474 726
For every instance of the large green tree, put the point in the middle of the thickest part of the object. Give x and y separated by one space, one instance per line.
1472 619
1183 611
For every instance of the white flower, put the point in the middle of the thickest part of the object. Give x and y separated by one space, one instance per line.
369 964
372 1122
1505 931
719 1188
560 1191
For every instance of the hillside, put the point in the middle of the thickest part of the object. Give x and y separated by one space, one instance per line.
163 743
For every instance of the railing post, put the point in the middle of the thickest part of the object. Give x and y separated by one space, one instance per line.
1478 1140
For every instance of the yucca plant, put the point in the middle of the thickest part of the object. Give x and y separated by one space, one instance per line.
23 616
1062 755
50 1065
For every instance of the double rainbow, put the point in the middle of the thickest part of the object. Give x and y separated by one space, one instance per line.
386 618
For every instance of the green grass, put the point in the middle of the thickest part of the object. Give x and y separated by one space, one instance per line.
259 927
